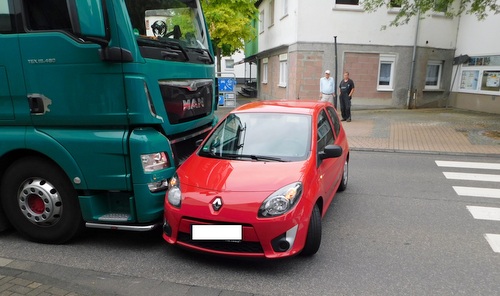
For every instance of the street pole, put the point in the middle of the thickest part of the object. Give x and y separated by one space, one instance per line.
336 72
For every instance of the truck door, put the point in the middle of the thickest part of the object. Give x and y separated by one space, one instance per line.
67 82
11 75
76 100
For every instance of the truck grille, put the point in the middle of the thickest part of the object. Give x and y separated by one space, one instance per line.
186 100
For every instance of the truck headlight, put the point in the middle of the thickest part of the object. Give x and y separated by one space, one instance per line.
174 194
154 162
281 201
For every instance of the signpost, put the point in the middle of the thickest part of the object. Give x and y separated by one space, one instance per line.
227 91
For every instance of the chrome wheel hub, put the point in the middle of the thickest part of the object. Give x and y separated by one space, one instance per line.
40 202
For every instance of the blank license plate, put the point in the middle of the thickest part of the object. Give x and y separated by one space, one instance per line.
216 232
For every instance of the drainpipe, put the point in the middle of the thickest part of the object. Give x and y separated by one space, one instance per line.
335 86
410 82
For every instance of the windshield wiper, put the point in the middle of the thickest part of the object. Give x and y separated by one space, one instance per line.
251 156
176 51
204 56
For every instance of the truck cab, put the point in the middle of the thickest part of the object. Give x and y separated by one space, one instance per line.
100 101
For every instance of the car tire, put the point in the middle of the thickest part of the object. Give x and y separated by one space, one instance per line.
345 177
40 202
313 240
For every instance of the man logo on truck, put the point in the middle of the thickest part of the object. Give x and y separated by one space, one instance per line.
193 104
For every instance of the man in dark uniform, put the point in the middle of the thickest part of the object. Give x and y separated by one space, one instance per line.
346 90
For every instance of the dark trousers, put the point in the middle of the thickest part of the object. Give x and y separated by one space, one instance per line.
345 106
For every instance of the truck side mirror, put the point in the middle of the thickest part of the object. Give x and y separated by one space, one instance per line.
87 18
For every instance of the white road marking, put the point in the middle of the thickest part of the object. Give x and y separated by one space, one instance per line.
480 213
494 241
470 165
485 213
477 191
472 177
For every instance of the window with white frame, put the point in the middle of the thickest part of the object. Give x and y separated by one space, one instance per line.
283 70
261 21
285 7
386 72
229 64
271 13
395 3
347 2
433 75
264 70
440 6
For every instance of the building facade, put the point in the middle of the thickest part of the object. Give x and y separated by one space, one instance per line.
409 66
242 72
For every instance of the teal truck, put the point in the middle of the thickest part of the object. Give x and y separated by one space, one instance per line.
100 100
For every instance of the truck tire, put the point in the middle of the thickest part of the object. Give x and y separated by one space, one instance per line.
4 223
40 202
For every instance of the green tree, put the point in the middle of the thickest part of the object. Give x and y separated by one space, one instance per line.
412 8
229 24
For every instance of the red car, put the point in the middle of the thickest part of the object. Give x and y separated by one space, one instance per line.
260 183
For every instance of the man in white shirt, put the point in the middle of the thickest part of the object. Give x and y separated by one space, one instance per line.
326 88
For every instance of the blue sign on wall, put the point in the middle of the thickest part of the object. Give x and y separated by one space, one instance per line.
226 84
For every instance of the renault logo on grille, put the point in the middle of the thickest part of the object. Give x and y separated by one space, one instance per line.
217 204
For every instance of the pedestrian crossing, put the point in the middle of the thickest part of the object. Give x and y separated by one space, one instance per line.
489 178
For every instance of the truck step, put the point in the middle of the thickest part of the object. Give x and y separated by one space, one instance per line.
115 217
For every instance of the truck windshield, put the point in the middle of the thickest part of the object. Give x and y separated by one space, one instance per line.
170 30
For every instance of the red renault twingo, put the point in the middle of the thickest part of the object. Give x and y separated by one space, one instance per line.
260 183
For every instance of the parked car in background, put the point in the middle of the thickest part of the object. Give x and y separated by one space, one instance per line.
260 183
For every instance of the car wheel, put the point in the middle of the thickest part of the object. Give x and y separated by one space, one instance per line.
345 176
313 240
40 201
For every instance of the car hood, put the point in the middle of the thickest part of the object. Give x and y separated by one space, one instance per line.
239 175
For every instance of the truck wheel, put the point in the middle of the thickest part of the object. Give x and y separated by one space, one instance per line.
40 202
4 223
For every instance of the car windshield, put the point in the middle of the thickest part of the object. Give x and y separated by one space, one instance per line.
261 137
170 30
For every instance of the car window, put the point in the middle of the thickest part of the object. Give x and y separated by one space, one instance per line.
279 135
335 119
325 132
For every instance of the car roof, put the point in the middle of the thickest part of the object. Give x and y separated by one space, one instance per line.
282 106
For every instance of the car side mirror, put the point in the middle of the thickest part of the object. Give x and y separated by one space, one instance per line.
331 151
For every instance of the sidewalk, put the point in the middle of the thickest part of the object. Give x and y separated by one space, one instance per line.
442 131
21 277
439 130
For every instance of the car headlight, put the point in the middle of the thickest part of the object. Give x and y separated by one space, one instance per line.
174 194
154 162
281 201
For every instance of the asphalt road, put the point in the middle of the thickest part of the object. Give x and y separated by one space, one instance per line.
399 229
